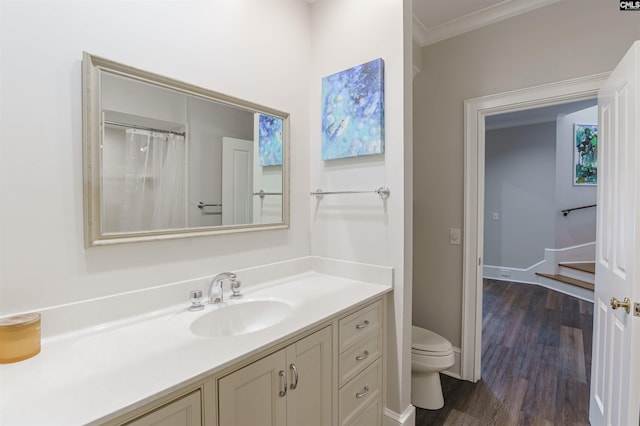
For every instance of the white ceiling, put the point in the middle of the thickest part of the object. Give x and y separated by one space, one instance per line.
436 20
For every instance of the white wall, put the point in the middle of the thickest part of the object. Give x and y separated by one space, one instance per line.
520 182
255 50
568 39
216 45
364 228
579 227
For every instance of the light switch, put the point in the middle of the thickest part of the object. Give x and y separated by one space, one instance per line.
454 236
495 216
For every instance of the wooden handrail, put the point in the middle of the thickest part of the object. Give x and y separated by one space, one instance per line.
567 211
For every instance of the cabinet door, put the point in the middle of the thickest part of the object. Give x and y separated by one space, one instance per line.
251 396
309 399
185 411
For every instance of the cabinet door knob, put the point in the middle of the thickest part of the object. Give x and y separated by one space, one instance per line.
294 383
365 324
283 376
363 392
364 356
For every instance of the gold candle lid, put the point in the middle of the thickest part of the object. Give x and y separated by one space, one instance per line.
21 320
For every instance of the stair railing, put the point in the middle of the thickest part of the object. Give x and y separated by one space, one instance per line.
567 211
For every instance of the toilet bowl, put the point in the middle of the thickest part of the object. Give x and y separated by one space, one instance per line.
430 354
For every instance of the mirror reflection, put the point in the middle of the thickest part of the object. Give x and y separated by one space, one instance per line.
177 160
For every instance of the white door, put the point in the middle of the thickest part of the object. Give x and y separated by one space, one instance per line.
615 370
237 181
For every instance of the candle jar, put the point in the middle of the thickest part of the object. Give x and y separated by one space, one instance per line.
19 337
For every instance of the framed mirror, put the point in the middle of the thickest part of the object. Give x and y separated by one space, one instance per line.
167 159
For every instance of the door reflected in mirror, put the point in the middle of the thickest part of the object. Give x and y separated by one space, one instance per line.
165 159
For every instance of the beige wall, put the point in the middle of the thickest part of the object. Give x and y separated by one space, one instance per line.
569 39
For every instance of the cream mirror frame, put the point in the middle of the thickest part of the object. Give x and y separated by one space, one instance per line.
109 172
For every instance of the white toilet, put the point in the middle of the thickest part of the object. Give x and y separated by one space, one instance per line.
430 354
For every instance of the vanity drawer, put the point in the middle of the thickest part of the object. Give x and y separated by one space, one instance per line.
360 393
370 416
359 324
359 357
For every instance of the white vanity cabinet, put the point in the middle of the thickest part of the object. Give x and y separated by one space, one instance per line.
290 387
360 366
333 376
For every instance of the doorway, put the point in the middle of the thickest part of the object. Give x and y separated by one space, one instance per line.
476 111
529 182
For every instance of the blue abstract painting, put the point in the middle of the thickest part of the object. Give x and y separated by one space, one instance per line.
353 112
269 140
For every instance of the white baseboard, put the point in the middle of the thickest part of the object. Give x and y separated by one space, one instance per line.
516 275
456 369
407 418
574 253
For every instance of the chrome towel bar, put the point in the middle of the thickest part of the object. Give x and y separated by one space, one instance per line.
383 192
202 205
261 193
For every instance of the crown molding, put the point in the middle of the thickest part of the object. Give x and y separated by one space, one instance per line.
425 36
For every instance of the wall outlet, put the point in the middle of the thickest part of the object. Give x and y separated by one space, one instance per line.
454 236
495 216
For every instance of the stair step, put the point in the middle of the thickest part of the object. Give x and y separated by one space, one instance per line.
568 280
584 266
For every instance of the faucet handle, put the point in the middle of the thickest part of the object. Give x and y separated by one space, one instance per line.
196 300
235 288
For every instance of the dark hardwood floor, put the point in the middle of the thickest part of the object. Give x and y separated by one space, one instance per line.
536 362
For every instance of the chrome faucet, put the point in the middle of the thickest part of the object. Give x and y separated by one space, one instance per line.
216 292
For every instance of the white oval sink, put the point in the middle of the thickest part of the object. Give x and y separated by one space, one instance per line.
241 318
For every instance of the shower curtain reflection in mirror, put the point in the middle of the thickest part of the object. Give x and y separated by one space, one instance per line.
144 181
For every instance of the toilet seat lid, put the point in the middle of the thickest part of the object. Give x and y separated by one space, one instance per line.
428 341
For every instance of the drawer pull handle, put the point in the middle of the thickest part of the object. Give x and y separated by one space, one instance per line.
294 370
365 324
283 376
365 355
363 392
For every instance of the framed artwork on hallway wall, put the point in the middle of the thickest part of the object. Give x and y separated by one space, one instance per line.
585 154
353 112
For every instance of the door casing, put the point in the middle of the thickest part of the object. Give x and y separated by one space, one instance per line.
475 111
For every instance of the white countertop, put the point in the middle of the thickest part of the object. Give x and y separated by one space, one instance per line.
93 374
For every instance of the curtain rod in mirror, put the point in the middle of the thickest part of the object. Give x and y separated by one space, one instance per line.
135 126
